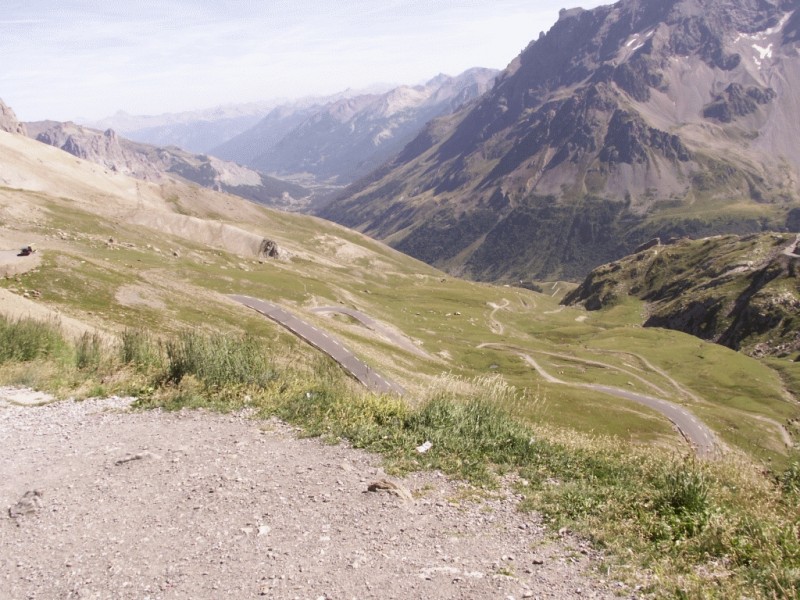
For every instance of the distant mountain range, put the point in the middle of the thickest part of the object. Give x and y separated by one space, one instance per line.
324 142
151 163
640 119
340 141
200 131
194 131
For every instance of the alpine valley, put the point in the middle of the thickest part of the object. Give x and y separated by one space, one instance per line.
642 119
644 423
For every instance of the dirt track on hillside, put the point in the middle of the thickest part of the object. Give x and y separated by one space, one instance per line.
197 505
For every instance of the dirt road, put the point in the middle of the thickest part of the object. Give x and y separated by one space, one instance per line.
194 505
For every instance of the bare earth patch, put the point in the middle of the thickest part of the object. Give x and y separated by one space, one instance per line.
11 263
14 306
133 295
99 502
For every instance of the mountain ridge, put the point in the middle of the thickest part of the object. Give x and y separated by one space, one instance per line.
154 164
624 122
740 292
202 130
342 140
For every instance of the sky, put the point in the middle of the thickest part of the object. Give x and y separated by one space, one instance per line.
88 59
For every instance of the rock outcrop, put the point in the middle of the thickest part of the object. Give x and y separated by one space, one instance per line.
741 292
9 122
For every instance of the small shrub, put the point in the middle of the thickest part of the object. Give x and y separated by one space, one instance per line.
684 501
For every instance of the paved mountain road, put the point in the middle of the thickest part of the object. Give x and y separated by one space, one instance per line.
370 378
372 324
690 427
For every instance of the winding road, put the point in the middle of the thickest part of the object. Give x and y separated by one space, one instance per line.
691 428
495 325
324 342
697 433
372 324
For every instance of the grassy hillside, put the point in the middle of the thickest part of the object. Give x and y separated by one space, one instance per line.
145 270
118 254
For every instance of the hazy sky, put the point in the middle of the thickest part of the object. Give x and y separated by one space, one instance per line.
63 59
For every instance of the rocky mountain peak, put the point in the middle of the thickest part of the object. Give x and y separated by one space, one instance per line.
614 116
9 121
104 148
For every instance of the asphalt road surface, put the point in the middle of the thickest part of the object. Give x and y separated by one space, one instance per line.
697 433
693 429
321 340
370 323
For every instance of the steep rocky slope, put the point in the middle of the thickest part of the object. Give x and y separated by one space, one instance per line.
151 163
643 118
8 120
742 292
245 147
347 138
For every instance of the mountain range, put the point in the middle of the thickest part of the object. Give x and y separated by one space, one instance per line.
195 131
341 140
321 143
202 130
155 164
640 119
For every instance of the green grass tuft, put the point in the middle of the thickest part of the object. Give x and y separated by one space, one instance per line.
25 340
217 360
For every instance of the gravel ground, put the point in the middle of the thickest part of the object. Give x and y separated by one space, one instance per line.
99 502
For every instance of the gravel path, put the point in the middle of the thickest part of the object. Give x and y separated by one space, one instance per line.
99 502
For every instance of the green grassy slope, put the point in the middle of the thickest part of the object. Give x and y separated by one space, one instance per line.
171 264
134 260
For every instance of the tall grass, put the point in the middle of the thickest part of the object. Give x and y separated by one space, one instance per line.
24 340
89 352
139 348
218 361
